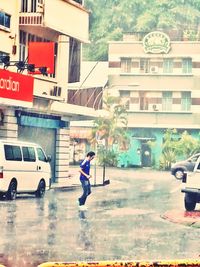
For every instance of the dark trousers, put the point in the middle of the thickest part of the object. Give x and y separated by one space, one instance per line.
86 192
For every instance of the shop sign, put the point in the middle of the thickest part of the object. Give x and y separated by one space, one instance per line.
156 42
80 133
41 54
16 86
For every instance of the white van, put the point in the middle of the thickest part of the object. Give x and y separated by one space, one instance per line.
24 168
191 187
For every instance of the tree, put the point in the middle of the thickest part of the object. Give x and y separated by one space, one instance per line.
168 149
109 19
111 130
176 145
187 145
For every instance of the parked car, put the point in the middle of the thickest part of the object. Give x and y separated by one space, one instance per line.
191 187
187 165
24 168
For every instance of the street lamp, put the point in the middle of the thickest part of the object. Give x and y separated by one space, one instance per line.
43 70
22 65
5 60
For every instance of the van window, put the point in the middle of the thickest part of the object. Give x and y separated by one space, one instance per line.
28 153
41 155
12 153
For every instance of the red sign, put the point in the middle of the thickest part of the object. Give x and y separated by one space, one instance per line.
16 86
41 54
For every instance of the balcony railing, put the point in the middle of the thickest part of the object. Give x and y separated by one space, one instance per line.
41 15
30 19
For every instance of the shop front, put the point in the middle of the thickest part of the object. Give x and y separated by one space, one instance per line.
80 143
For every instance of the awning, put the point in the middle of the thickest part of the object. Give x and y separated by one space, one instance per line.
80 133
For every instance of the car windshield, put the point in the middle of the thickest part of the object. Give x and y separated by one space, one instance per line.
194 158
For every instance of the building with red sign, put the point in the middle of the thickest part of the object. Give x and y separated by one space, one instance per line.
39 56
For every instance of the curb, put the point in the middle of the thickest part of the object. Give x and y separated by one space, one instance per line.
64 187
145 263
187 218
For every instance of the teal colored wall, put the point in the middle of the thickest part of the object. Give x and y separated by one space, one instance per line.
132 158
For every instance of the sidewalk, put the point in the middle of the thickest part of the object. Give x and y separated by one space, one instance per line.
70 182
73 179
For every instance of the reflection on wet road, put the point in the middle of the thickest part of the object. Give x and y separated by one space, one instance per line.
123 222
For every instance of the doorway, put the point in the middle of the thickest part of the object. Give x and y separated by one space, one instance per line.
145 155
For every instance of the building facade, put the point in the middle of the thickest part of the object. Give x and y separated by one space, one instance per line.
35 107
159 80
88 92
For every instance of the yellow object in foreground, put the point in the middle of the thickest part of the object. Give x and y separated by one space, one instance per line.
159 263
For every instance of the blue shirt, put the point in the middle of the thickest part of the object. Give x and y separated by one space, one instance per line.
85 167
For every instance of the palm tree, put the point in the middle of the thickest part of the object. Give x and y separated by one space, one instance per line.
111 130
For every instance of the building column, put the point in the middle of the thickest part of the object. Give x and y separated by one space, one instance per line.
62 154
8 124
63 64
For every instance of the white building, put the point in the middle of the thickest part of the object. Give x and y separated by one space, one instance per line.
43 117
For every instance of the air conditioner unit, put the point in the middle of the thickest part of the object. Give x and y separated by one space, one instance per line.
153 69
155 107
56 91
40 8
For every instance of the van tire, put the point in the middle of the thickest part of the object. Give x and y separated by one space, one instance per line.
190 202
41 189
12 191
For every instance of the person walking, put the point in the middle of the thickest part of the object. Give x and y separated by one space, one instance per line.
84 179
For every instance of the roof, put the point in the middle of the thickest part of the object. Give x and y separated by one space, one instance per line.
17 142
93 74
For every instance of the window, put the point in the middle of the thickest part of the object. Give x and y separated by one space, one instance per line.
168 65
12 152
28 154
125 97
144 103
185 101
41 155
74 60
5 19
29 5
23 51
23 47
167 101
144 65
124 93
126 65
187 65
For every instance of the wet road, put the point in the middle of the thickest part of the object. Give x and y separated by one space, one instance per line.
123 222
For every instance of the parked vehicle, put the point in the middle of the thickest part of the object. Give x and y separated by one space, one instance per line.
187 165
24 168
191 187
